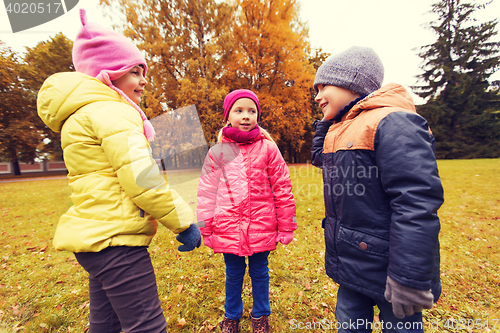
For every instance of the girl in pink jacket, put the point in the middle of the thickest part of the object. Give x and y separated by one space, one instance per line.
245 198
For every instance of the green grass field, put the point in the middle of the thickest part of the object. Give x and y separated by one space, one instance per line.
43 290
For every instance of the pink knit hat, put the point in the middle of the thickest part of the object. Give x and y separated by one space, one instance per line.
108 55
235 95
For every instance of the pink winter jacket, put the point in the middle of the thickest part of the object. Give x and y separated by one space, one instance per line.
245 196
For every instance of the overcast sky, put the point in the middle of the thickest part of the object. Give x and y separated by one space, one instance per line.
395 29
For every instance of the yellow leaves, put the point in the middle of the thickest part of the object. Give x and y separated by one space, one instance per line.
181 323
179 288
15 310
307 285
301 296
17 327
84 305
206 325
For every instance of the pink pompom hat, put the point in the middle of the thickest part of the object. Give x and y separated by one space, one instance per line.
107 56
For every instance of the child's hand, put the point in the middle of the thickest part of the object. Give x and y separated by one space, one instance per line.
285 237
207 241
405 300
190 238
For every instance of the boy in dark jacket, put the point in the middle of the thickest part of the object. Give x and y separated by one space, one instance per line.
382 192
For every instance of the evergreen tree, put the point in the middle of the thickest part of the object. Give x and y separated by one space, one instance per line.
461 102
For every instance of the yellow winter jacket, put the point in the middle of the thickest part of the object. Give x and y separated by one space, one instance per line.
111 172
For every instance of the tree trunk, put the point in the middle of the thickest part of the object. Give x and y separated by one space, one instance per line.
174 160
15 166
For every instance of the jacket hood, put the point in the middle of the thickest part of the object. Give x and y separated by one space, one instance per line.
390 95
62 94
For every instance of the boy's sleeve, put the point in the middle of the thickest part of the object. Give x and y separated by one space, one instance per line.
409 175
281 185
207 193
128 151
318 141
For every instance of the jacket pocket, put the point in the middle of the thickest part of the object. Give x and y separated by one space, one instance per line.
365 243
363 261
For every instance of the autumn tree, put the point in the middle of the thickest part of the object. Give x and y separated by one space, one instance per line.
200 50
18 136
269 56
22 131
40 62
462 104
316 58
183 41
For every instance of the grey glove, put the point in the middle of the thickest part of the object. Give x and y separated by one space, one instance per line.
406 300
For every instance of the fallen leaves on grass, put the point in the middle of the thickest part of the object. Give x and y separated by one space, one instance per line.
181 323
179 288
191 285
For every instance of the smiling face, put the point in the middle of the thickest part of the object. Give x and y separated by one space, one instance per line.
332 99
132 83
243 115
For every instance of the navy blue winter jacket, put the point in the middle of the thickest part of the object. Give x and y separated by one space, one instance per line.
382 192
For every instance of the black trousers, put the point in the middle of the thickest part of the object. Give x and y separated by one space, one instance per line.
122 290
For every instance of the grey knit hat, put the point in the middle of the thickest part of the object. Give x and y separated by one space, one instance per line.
358 69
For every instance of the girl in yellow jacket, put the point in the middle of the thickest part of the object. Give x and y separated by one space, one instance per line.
117 190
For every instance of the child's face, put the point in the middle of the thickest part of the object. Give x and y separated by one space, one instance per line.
332 99
243 115
132 84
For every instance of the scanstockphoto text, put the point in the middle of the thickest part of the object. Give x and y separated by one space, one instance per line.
353 185
468 325
359 324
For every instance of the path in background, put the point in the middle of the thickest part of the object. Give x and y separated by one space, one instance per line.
13 179
27 179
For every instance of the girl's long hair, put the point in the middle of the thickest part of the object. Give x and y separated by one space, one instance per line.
263 131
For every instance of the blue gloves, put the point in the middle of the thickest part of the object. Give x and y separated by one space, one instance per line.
190 238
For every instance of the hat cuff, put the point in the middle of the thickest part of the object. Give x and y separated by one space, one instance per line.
235 95
107 76
349 81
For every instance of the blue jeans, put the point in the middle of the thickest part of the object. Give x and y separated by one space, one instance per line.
259 274
354 313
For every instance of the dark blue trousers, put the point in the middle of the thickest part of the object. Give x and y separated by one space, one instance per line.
122 290
259 274
355 313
